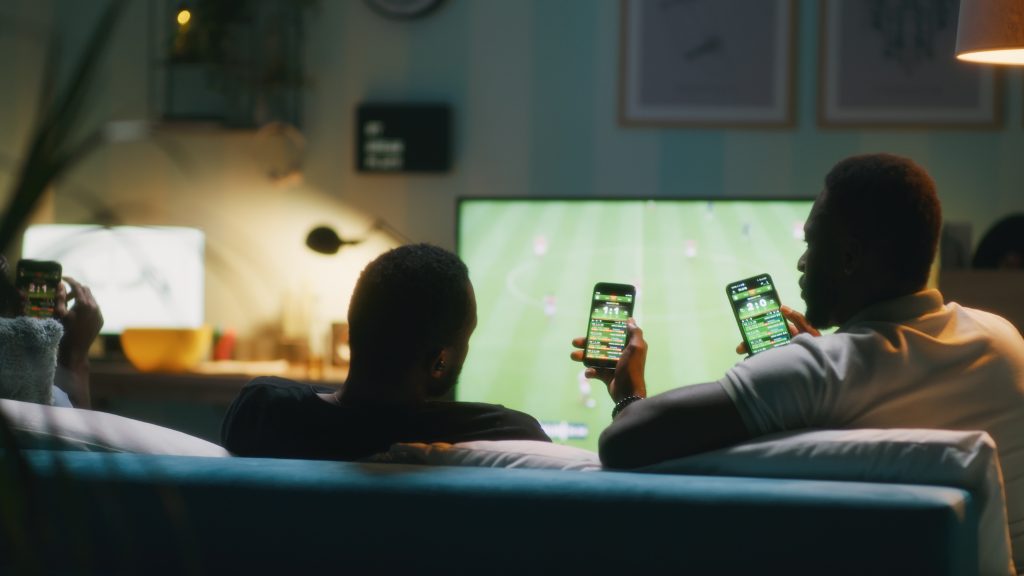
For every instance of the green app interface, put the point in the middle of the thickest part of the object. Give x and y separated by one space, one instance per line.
759 313
606 336
40 288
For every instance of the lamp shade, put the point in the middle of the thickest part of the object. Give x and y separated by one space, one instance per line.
991 31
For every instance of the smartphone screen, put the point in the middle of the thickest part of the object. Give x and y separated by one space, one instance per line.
755 302
610 307
37 280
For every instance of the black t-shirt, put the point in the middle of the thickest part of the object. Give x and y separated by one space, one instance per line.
279 418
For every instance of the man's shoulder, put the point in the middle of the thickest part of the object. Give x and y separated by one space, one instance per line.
806 358
481 408
271 389
990 320
266 415
482 421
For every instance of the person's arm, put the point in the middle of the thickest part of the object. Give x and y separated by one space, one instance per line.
676 423
82 323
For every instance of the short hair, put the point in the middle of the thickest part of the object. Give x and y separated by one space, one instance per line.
889 203
410 301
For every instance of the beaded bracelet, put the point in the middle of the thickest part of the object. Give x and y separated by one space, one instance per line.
623 403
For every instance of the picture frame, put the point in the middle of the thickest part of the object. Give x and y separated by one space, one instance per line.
694 63
877 70
240 68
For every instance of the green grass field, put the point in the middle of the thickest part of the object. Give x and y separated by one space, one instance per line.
534 263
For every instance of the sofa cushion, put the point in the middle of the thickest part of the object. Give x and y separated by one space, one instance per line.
494 454
36 426
905 456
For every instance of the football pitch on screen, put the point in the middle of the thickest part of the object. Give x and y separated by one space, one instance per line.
534 263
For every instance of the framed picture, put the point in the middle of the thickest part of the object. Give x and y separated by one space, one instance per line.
891 63
695 63
240 67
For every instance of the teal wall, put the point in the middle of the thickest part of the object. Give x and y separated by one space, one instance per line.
534 86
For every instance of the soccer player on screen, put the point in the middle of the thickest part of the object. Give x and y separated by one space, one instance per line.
550 306
540 244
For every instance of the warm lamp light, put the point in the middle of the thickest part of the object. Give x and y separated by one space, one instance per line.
184 16
991 32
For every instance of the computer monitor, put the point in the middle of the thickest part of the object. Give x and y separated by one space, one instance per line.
533 263
141 276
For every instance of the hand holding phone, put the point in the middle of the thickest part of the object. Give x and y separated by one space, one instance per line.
37 281
796 322
758 311
610 306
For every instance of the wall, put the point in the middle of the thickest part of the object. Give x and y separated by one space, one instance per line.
534 87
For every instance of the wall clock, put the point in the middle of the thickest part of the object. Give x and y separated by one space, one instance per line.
403 9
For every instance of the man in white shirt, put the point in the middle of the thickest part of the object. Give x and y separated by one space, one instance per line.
900 357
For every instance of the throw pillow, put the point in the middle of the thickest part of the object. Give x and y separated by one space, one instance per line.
494 454
39 427
28 358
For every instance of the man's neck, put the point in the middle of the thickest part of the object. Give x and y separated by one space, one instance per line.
366 386
876 297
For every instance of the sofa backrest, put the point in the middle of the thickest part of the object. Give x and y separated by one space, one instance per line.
962 459
128 513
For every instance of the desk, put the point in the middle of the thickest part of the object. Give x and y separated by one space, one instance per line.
110 381
192 402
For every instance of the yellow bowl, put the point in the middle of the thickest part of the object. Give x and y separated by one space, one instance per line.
165 349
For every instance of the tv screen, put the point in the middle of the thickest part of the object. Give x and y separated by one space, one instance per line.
141 276
534 263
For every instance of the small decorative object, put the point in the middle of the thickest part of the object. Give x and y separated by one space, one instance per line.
341 355
403 138
707 62
890 63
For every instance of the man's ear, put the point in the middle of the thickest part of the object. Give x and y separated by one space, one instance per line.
853 256
439 363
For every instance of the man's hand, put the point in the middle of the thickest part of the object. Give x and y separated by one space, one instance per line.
796 322
627 379
82 323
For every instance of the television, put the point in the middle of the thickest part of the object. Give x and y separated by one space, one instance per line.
141 276
534 262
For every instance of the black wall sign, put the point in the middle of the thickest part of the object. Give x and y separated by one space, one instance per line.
403 138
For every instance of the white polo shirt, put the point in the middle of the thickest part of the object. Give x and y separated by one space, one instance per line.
912 362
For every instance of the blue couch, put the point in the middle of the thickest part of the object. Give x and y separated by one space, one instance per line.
89 492
118 513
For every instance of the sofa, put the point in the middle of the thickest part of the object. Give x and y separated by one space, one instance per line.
97 493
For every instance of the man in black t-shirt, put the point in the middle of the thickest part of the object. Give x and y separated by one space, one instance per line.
410 319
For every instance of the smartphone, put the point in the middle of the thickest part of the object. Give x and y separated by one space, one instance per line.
37 280
610 307
758 311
